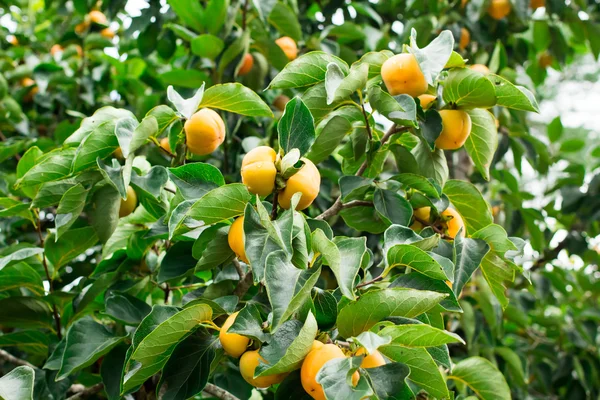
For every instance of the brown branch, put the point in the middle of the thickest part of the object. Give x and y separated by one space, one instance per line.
376 279
338 206
435 228
167 152
238 268
86 392
362 106
14 360
216 391
244 13
549 255
50 282
275 205
243 285
170 190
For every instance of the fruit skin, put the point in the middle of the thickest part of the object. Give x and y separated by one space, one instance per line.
426 100
129 204
456 127
246 65
235 345
316 345
452 226
80 28
465 38
402 75
248 364
280 102
27 82
480 68
164 143
372 360
537 4
289 47
499 9
204 132
56 49
307 181
258 170
97 17
107 33
545 60
313 362
235 238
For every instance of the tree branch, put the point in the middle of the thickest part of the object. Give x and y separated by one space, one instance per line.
549 255
238 268
376 279
218 392
14 360
338 206
243 285
49 278
86 392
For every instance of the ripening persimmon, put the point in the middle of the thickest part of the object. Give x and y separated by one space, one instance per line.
306 181
426 100
258 170
480 68
107 33
537 4
465 38
373 360
545 60
164 143
235 345
57 48
97 17
499 9
450 221
313 363
248 364
289 47
402 75
81 28
280 102
30 83
456 127
235 238
247 64
129 204
204 132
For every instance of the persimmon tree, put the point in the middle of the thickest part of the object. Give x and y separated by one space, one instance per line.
292 199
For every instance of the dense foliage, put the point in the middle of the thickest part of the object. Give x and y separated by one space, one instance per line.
153 243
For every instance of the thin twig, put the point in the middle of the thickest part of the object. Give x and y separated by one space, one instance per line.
238 268
244 13
87 392
368 126
435 228
219 392
243 285
167 152
376 279
170 190
275 205
50 282
14 360
338 206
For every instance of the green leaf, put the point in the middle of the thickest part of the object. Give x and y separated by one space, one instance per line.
111 370
419 335
287 286
496 237
116 175
336 377
248 323
207 45
389 380
468 255
217 250
196 179
400 109
469 203
423 369
468 89
177 262
482 377
146 129
126 308
329 135
185 78
86 342
482 143
496 271
555 129
371 341
50 167
307 70
92 124
416 280
18 255
325 308
364 218
432 164
30 341
392 207
285 20
17 384
236 98
101 143
419 183
187 371
21 275
513 96
69 208
340 87
190 12
514 363
360 315
71 244
296 127
433 57
153 352
410 256
105 212
25 313
186 107
288 347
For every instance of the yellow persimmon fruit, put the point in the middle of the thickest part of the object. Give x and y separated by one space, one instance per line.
545 60
28 82
246 64
317 345
129 204
402 75
537 4
306 181
465 38
235 345
313 363
456 127
57 48
426 100
480 68
499 9
463 3
451 221
258 170
13 40
280 102
289 47
248 364
107 33
372 360
80 28
97 17
164 143
236 238
204 132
